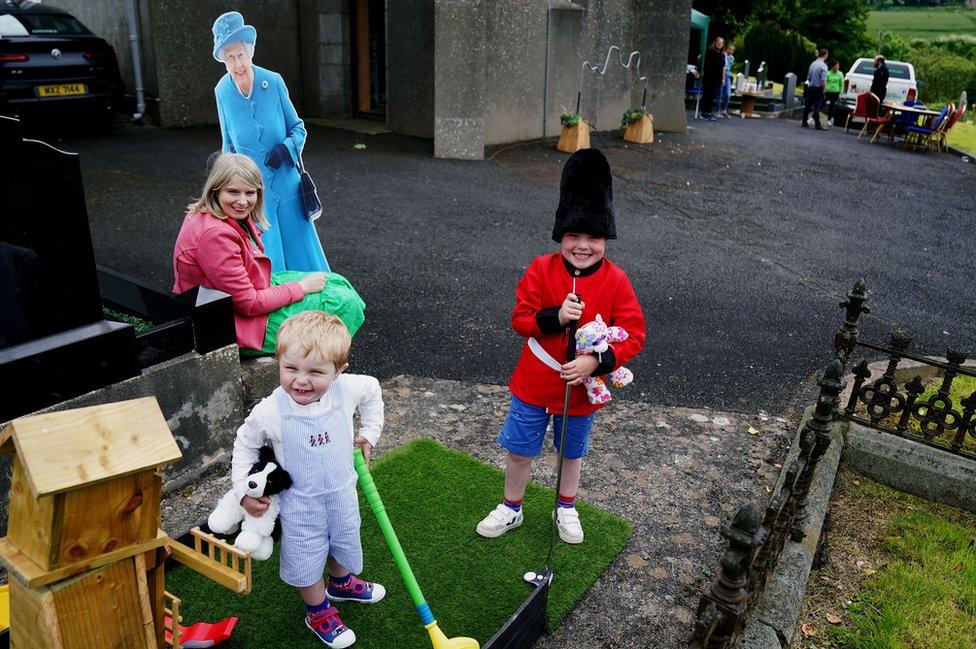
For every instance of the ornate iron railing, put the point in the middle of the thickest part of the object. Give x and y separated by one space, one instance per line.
755 543
888 406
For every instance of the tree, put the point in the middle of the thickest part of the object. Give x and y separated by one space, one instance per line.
726 19
783 50
838 25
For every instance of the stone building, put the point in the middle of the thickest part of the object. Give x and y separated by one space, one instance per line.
467 73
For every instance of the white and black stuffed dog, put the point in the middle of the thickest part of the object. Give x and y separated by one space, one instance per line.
266 478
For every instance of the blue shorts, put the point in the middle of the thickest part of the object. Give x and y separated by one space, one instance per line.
525 430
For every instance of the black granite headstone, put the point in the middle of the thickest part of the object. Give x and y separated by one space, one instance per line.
54 344
47 263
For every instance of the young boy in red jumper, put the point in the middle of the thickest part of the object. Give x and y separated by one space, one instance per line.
574 284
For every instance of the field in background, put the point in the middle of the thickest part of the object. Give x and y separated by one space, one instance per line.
923 23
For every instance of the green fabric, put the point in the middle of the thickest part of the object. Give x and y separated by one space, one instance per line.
338 298
700 21
835 81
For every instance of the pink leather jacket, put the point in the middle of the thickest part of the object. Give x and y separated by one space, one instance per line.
217 253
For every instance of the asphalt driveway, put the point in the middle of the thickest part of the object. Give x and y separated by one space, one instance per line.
740 236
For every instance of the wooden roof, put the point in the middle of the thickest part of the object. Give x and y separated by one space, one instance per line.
64 450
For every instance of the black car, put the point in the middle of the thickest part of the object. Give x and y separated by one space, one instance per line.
51 65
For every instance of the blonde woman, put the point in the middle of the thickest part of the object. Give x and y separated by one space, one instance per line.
258 119
220 247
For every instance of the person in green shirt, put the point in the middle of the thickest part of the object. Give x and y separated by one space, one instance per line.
835 86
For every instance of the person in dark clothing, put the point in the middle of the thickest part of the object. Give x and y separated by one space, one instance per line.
714 77
814 92
879 85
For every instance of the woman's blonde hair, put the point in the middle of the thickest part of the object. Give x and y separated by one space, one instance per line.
226 167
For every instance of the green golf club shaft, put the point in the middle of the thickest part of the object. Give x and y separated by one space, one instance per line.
376 503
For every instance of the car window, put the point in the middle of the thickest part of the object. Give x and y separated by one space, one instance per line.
10 26
52 24
898 71
865 67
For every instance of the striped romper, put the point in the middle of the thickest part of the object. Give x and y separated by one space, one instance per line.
320 512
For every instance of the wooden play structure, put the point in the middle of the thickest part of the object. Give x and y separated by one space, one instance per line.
84 549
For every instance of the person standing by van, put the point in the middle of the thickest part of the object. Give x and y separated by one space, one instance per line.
835 86
879 85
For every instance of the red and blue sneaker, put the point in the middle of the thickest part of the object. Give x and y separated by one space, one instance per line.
327 625
354 589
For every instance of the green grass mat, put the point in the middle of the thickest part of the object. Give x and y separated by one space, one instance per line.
434 497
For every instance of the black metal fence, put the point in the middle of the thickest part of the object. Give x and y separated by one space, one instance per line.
907 409
756 541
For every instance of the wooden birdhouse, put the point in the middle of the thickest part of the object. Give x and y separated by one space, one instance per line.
83 539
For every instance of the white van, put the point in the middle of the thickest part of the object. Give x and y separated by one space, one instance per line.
901 83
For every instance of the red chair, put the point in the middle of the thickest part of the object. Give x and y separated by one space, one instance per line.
881 121
939 137
860 108
872 114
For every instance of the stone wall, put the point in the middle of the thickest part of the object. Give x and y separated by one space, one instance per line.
410 67
469 73
106 18
326 57
202 399
506 70
177 49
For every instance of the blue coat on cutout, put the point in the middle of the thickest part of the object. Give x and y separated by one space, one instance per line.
253 126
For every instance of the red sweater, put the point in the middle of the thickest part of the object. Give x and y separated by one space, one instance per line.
538 296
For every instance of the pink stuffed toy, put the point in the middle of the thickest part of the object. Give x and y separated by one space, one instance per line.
594 338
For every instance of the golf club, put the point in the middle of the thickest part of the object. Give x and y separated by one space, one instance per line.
437 637
539 578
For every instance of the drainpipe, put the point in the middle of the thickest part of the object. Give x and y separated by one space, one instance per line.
545 75
130 12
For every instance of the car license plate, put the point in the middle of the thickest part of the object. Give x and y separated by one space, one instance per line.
62 90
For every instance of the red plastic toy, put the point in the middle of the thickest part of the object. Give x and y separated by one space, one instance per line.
203 634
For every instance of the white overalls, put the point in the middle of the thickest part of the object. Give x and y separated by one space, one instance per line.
320 512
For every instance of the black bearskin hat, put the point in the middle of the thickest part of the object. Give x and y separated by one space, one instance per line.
585 197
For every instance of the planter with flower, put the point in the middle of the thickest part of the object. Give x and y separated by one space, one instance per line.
638 125
575 134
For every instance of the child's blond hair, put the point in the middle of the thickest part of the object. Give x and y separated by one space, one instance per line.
315 331
225 169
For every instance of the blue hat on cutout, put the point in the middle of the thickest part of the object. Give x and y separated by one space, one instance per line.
230 28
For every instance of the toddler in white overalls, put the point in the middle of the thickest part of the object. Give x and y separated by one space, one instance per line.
308 422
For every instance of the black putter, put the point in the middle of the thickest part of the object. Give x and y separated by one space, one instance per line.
540 578
528 623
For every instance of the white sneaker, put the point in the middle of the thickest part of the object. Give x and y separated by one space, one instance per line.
568 524
499 520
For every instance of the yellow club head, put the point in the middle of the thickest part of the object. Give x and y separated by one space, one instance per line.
441 641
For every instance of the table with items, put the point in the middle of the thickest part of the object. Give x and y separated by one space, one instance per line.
911 115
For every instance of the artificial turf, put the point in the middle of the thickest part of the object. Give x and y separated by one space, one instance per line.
434 497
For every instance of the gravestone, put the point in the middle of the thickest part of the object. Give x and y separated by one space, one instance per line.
54 344
789 90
